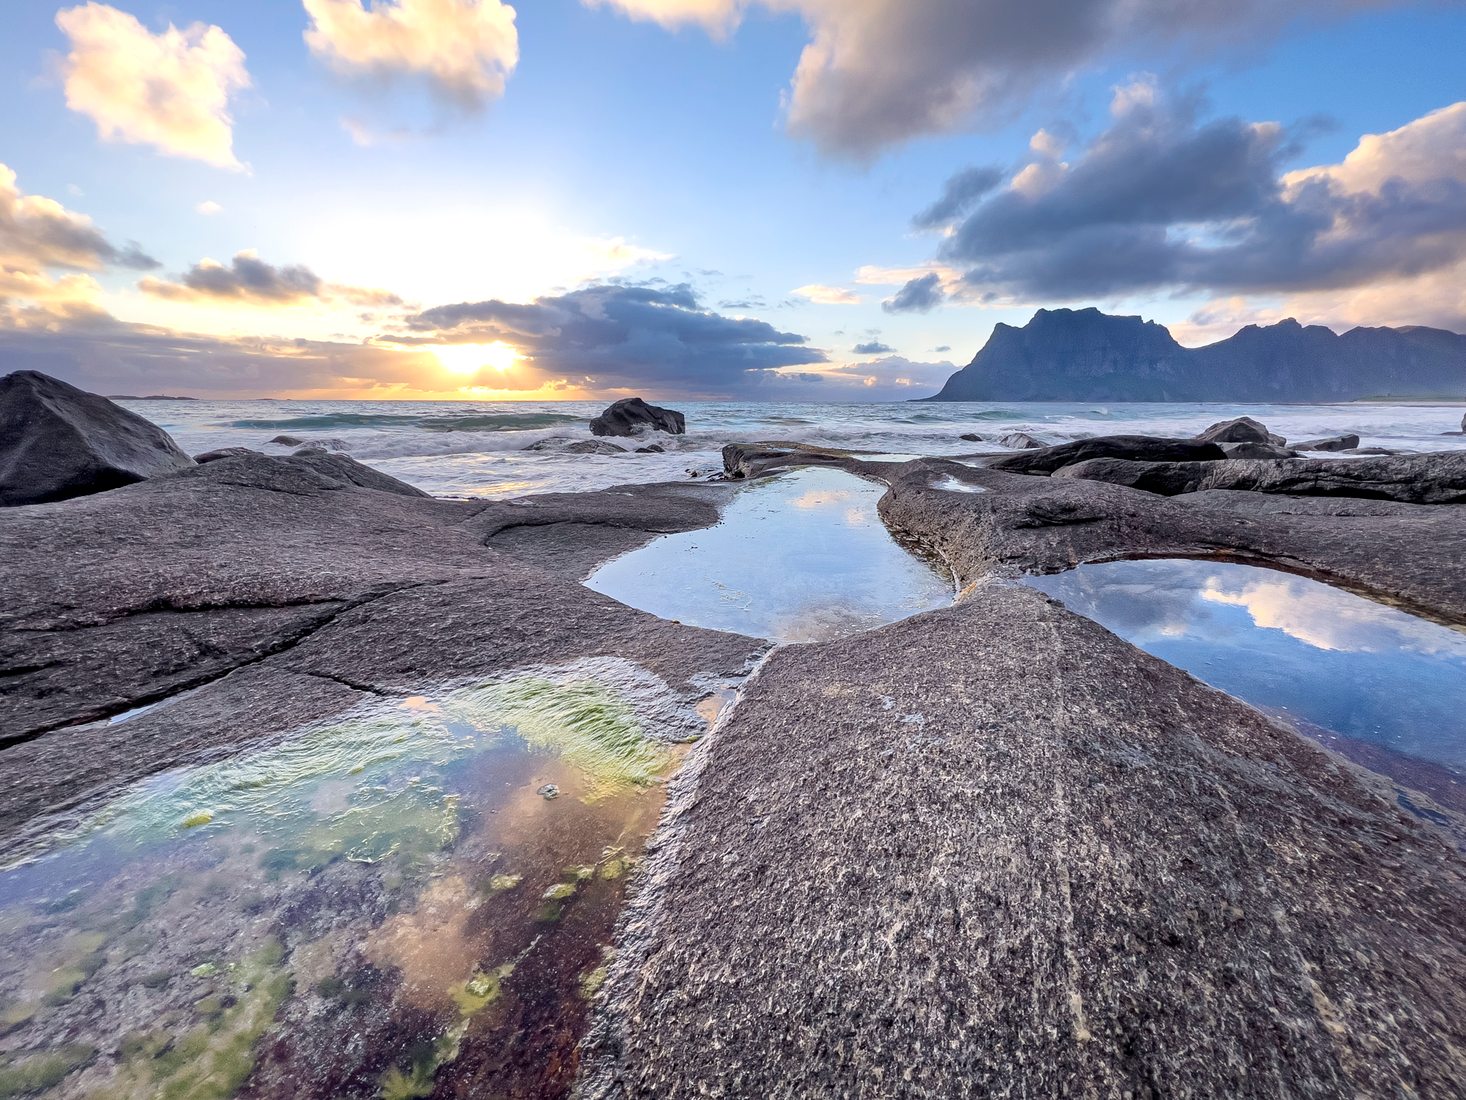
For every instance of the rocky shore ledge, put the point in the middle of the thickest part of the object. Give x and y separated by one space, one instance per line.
987 850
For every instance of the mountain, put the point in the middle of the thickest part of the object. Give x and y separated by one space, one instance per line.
1086 355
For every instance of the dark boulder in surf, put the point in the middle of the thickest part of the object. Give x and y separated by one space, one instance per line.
58 442
1241 430
1145 448
1331 443
632 415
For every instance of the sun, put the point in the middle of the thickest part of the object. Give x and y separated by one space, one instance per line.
472 358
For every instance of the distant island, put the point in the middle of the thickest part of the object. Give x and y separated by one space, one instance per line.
149 397
1086 355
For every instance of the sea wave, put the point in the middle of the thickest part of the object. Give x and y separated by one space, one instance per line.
474 422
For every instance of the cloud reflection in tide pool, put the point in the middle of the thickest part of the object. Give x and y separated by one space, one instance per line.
1290 646
800 557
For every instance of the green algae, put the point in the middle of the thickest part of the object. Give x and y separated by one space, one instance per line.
504 882
27 1076
481 990
212 1059
589 725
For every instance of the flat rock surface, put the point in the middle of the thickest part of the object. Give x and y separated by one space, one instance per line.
996 851
243 571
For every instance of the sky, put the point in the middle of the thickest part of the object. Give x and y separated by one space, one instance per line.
803 200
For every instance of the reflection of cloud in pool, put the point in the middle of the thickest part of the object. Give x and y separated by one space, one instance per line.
1328 618
822 498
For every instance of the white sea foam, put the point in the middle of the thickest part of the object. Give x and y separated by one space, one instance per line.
479 448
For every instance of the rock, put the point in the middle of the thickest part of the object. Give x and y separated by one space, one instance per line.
1145 448
971 437
1242 430
741 460
1020 441
1436 478
58 442
1331 443
548 791
654 449
594 447
1373 451
225 452
288 440
632 415
1256 450
1032 852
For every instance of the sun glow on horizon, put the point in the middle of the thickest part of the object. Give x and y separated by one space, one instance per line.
472 358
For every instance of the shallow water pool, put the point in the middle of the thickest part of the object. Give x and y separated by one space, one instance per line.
798 557
409 901
1381 686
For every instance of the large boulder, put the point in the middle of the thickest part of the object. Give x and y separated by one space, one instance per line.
632 416
58 442
1437 478
1144 448
1241 430
222 453
1331 443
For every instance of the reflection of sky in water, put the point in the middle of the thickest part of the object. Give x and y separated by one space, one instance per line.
799 557
1359 668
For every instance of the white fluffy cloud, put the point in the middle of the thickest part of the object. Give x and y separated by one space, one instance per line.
878 72
822 295
464 49
170 90
37 234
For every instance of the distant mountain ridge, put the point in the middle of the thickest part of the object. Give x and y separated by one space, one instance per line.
1086 355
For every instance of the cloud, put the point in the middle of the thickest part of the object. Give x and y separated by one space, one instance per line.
208 208
620 335
170 90
37 233
1164 200
828 295
962 191
872 347
879 72
920 295
464 49
247 278
717 17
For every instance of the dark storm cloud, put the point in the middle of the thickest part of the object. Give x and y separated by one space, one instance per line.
622 334
959 196
872 347
1164 200
919 295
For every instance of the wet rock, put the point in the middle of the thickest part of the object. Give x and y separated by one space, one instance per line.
1437 478
548 791
741 460
594 447
1020 441
225 452
971 437
59 442
1146 448
1330 443
632 415
288 440
1373 451
1257 450
1241 430
654 449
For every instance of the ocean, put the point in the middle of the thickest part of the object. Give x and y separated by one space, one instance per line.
480 449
